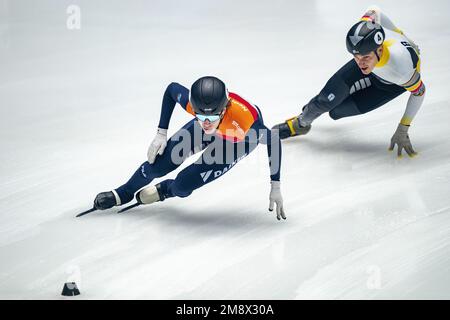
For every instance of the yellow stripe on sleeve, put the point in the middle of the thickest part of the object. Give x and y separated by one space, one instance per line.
415 86
406 121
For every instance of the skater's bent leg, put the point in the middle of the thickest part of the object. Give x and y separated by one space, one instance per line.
204 171
377 95
335 91
366 100
346 109
318 105
181 145
191 178
143 176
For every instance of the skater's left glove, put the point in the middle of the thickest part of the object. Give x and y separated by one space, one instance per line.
401 139
158 145
277 199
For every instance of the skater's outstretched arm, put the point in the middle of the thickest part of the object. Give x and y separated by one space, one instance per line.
407 65
272 140
274 152
174 93
401 137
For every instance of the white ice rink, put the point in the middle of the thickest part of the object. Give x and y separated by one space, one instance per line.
79 107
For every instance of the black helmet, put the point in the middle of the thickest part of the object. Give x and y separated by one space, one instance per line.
364 37
208 96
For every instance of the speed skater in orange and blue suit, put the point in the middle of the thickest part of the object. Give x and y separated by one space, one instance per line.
226 127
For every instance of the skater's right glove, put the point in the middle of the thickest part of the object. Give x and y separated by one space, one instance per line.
158 145
276 198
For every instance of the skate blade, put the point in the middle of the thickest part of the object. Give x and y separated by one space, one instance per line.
85 212
129 207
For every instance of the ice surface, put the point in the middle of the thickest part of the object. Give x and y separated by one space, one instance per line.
78 109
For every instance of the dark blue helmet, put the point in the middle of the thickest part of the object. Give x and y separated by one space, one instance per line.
208 96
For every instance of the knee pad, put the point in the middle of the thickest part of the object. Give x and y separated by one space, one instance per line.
347 108
323 102
175 188
334 114
180 190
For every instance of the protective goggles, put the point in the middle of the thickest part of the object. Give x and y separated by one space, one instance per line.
210 117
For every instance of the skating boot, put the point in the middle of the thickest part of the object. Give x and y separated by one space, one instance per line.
290 128
106 200
150 195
